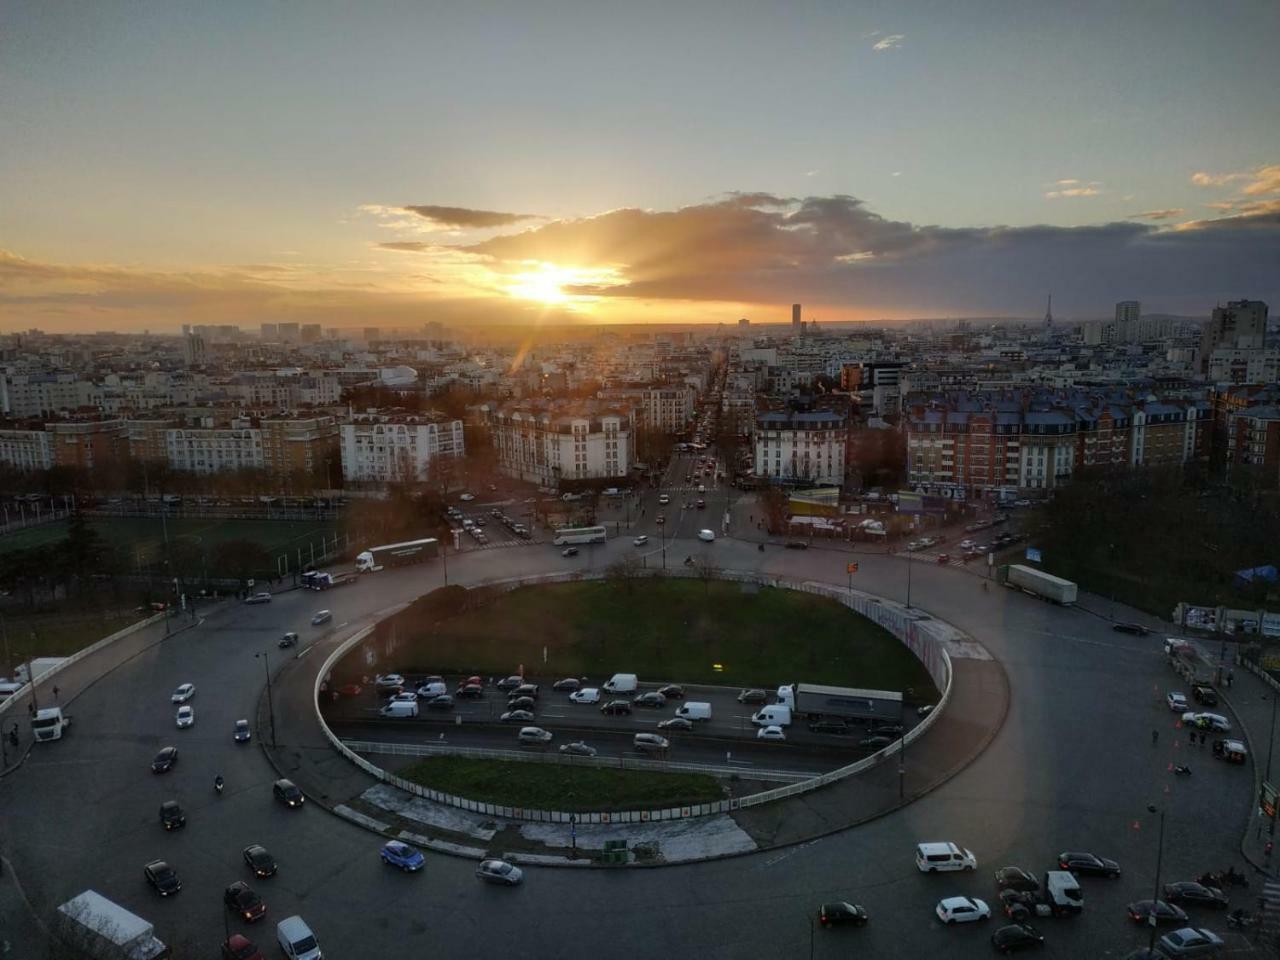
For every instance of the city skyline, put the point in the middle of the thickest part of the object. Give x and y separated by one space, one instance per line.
492 165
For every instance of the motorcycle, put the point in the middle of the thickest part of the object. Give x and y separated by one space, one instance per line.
1181 771
1242 920
760 547
218 784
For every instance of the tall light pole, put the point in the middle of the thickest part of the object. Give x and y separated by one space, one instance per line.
1271 743
909 566
271 707
1155 897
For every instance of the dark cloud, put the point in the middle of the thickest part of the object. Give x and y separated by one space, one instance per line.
835 253
1166 214
407 246
466 218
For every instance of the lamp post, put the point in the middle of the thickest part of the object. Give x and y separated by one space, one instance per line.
1155 897
909 565
1271 743
271 708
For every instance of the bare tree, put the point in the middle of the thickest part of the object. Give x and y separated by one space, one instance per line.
706 570
624 572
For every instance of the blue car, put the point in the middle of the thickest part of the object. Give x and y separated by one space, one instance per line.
403 856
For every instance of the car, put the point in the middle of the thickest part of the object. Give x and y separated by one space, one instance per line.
876 741
164 760
829 726
620 708
841 913
675 723
753 696
672 691
288 640
663 499
171 815
1177 701
586 695
506 683
914 545
1137 629
389 681
1140 912
162 877
660 519
887 729
650 698
469 691
577 749
297 941
522 703
701 504
953 910
481 522
1207 721
1018 905
525 690
184 693
771 732
650 743
1204 694
569 552
796 545
1195 894
441 701
260 861
466 497
499 871
404 698
241 732
1016 936
1087 863
239 947
321 616
349 689
967 544
1190 942
400 854
186 717
287 792
707 536
640 541
263 597
1015 878
516 716
243 899
567 685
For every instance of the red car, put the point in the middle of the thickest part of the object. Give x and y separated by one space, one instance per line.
240 947
349 690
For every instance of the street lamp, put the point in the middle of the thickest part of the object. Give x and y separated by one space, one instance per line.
909 566
1155 897
271 708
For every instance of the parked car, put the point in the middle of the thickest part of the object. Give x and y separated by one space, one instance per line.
1140 912
260 861
171 815
500 872
287 792
162 877
953 910
1136 629
620 708
842 913
242 899
577 749
796 545
1177 701
239 947
400 854
1190 942
586 695
1204 694
1194 894
1207 721
1087 863
1016 936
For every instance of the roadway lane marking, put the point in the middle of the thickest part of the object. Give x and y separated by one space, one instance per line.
790 852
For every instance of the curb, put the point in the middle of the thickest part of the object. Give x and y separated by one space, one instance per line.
1257 787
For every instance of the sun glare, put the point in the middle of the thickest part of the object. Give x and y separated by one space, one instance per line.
546 283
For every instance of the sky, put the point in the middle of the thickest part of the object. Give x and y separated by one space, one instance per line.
390 164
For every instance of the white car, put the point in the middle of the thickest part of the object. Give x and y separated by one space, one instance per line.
664 499
707 536
1177 702
466 497
323 616
968 544
1207 721
499 871
771 732
259 598
640 541
962 910
389 681
184 693
404 698
586 695
186 716
534 735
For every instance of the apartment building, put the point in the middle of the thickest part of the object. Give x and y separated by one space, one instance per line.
214 449
801 445
666 409
307 446
26 449
384 449
45 394
552 443
89 443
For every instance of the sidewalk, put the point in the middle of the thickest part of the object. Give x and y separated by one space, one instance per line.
1251 699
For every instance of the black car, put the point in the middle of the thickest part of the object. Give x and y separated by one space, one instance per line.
842 912
242 733
525 690
516 716
262 863
162 876
672 691
1088 864
288 640
616 708
171 815
675 723
1196 894
1016 936
510 683
1205 694
829 726
1015 878
522 703
650 699
887 729
1140 912
1018 905
797 545
244 900
441 701
876 741
471 691
165 760
753 696
1137 629
287 792
567 685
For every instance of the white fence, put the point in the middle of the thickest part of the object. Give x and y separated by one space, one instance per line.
923 635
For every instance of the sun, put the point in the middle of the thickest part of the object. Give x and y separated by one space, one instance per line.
546 283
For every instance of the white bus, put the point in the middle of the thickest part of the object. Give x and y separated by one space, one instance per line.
579 535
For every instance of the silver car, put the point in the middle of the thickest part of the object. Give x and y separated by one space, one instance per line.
1190 942
499 871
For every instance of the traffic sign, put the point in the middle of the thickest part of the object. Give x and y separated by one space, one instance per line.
1267 801
851 567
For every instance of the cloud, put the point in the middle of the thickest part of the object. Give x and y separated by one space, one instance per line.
1166 214
891 42
1265 180
407 246
1073 188
466 218
1216 179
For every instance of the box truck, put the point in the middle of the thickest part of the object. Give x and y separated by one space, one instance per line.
1040 584
397 554
103 930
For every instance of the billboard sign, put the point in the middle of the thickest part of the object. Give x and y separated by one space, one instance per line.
1033 554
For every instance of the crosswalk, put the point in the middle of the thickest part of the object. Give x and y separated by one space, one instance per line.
954 559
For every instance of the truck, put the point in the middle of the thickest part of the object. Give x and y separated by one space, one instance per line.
37 668
397 554
104 930
1040 584
49 723
816 701
321 580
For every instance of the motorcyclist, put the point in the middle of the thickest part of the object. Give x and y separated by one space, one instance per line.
217 783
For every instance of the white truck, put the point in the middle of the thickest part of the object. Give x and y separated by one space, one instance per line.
321 580
103 930
38 667
397 554
1041 584
49 723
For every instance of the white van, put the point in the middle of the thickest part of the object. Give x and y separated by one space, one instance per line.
400 709
296 939
707 536
432 689
1062 890
935 857
694 710
773 715
621 683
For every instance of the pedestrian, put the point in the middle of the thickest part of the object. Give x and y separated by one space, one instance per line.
1231 675
1155 736
1268 848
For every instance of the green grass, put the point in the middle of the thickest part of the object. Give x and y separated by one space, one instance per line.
675 630
553 786
61 633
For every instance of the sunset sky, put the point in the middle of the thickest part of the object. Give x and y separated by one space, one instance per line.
389 164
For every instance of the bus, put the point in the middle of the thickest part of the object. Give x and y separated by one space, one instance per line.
579 535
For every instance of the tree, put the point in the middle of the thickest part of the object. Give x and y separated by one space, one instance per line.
706 570
83 548
776 503
624 572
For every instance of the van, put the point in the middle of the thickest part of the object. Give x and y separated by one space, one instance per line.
621 683
693 710
1063 893
296 939
400 709
936 857
7 690
432 688
773 715
787 696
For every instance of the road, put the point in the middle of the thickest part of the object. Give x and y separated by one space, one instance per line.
1074 767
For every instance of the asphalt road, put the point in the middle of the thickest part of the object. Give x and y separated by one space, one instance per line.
1074 767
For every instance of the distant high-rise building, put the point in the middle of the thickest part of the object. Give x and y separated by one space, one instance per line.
193 351
1128 311
1240 325
310 332
269 331
288 331
186 329
796 322
744 325
371 334
1048 315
